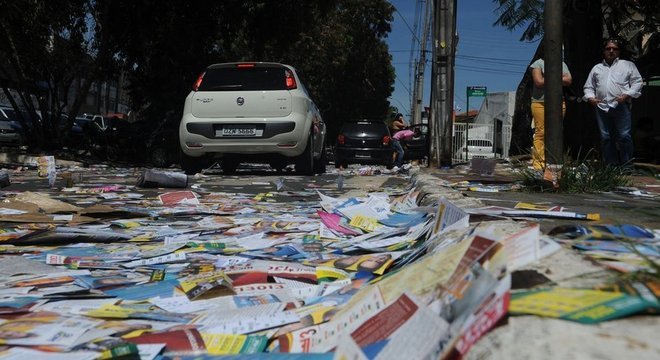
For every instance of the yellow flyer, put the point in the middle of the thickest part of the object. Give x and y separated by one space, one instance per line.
364 223
230 344
581 305
209 283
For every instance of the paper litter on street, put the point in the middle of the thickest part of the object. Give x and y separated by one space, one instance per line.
217 271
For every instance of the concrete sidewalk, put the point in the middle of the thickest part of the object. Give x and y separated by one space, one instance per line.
613 207
532 337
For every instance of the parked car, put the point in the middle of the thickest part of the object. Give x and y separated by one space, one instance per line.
364 141
419 146
477 148
87 120
13 133
251 112
9 136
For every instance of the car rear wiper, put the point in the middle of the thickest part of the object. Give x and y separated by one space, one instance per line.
222 87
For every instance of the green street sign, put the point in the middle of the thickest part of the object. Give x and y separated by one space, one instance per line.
476 91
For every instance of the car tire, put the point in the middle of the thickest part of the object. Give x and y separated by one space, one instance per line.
389 164
305 161
98 148
159 157
278 164
320 164
192 165
80 147
229 166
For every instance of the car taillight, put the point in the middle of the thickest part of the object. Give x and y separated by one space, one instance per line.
245 65
386 140
199 81
340 139
290 80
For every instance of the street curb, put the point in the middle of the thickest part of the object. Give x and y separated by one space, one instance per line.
434 188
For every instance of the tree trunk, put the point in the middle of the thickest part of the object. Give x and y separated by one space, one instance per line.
582 50
521 126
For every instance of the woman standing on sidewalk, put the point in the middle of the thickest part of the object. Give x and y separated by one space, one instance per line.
538 109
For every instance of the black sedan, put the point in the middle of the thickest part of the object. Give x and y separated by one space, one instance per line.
364 141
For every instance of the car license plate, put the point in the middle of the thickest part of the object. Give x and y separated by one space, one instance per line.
229 130
362 154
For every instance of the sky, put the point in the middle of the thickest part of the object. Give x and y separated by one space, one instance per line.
487 55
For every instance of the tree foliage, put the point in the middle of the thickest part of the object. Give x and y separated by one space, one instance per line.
586 23
338 45
515 14
160 47
43 43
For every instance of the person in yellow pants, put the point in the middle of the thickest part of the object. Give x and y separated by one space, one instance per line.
538 108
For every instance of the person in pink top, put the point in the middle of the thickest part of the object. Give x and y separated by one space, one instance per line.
402 135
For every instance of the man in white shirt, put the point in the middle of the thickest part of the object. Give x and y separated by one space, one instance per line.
610 87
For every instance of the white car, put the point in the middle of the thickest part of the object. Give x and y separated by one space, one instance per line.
251 112
478 149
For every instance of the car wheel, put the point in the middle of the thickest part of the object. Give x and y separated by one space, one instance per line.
229 166
98 148
337 160
112 153
80 148
319 165
305 162
278 164
159 157
192 165
389 163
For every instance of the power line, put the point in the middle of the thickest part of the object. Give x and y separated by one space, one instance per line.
404 108
404 86
487 70
408 26
470 57
476 57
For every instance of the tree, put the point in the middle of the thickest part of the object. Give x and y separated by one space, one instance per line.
48 45
160 47
337 45
586 23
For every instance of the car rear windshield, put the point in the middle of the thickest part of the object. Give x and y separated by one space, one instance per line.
368 127
244 79
13 116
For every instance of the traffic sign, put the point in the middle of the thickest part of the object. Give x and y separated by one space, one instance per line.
476 91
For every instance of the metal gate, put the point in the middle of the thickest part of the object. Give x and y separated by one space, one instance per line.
484 141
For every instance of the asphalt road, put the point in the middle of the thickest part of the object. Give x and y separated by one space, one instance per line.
286 186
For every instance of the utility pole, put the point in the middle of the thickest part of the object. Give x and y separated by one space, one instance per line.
418 91
442 95
554 130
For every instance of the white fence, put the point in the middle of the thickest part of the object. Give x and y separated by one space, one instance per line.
480 141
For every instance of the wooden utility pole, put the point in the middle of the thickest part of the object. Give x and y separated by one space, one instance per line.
554 129
418 91
442 93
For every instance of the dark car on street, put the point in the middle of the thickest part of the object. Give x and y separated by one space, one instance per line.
10 130
418 147
364 141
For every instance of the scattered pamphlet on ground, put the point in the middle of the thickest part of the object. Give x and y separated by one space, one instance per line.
113 269
581 305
